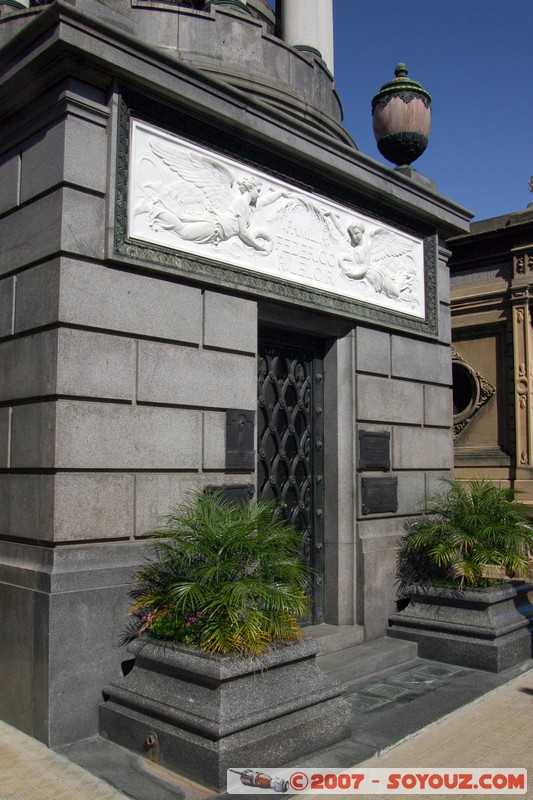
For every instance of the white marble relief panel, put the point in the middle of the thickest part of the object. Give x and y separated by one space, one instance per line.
190 199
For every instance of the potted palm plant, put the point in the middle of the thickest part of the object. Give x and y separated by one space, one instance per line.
222 675
227 579
462 570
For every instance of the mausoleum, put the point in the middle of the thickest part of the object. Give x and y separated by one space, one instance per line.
203 282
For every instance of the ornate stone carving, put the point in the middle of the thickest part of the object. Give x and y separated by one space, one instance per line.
523 372
211 272
481 390
523 263
191 199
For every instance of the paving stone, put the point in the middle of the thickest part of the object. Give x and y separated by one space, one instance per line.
412 678
386 690
362 703
33 771
437 671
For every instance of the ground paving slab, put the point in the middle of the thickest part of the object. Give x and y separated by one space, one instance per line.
492 732
420 714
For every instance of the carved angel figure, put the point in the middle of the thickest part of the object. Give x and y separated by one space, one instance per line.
378 257
206 204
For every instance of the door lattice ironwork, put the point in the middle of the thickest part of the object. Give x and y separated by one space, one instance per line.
291 448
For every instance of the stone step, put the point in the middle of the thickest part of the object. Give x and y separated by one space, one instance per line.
355 662
335 637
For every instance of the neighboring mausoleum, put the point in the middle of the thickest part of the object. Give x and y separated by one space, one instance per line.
492 281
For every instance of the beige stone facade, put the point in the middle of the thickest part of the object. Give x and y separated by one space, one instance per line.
492 286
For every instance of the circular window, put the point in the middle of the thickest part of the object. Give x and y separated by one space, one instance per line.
465 391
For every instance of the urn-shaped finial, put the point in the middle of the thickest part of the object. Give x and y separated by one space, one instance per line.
401 117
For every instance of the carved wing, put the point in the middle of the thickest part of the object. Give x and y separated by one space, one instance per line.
386 244
382 283
208 183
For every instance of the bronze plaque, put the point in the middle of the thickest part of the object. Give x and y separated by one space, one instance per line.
374 450
233 494
240 451
380 495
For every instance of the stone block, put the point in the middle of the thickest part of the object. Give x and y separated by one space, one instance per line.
422 448
95 365
33 436
5 430
27 506
55 156
16 667
157 493
445 323
373 351
339 560
421 361
32 233
83 223
411 492
443 277
214 440
230 322
435 481
52 597
64 219
438 406
104 436
82 671
42 162
37 296
28 366
160 30
9 181
110 436
385 400
86 166
187 376
192 38
93 506
339 434
119 301
7 301
379 570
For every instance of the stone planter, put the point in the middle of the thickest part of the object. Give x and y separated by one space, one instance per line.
490 629
200 714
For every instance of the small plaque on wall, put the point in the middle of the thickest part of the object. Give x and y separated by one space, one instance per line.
374 450
379 495
240 452
233 494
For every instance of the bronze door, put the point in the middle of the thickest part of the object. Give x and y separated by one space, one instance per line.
291 446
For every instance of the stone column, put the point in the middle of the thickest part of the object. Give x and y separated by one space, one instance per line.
523 360
308 25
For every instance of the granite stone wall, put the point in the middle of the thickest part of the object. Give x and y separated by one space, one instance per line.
113 391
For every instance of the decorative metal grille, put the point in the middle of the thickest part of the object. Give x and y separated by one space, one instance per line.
291 449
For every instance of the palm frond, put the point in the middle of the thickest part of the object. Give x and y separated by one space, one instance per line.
463 530
226 577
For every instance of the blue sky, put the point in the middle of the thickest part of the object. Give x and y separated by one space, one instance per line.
475 57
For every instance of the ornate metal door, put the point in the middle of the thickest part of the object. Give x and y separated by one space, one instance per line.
291 447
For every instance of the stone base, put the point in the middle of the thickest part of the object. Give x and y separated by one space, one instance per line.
490 629
201 715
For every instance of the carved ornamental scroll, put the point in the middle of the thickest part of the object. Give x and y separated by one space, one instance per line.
189 199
